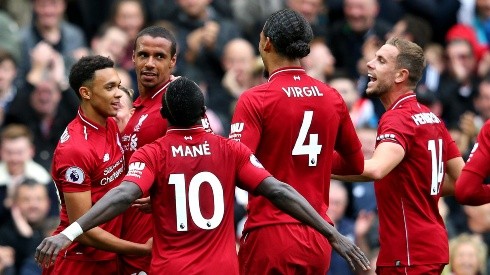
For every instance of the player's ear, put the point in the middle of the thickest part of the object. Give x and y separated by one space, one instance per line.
85 93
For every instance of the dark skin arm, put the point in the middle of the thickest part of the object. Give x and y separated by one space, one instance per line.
282 195
286 198
113 203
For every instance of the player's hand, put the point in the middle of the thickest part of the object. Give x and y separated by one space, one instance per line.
143 204
49 248
350 252
149 245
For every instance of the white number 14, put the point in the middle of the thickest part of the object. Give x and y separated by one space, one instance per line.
437 165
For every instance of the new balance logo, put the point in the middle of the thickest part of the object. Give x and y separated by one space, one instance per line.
187 137
296 77
106 157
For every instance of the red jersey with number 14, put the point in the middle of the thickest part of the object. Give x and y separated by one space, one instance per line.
411 230
191 177
293 123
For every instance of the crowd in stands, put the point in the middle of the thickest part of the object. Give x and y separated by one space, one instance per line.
217 48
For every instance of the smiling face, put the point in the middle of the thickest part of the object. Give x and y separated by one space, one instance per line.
153 62
104 93
382 71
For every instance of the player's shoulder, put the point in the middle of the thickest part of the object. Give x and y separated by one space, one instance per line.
256 90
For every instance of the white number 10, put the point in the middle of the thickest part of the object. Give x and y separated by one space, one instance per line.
313 149
181 200
437 165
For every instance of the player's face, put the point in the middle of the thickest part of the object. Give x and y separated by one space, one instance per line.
105 93
382 71
153 61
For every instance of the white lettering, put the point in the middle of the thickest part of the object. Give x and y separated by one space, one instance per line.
191 151
302 91
425 118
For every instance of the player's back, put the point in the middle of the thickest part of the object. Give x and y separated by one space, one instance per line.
193 200
291 123
408 196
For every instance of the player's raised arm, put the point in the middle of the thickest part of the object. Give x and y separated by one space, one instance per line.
109 206
290 201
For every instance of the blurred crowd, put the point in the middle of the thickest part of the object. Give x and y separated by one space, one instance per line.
217 48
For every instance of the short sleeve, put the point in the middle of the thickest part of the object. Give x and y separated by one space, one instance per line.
394 127
73 169
142 168
250 171
246 125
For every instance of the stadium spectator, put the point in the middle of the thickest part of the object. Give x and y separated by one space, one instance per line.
46 111
49 28
130 16
468 256
24 231
193 244
294 107
202 35
319 63
348 35
414 152
8 87
87 163
355 230
16 152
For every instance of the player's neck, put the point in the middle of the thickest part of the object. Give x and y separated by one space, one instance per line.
278 62
390 97
92 115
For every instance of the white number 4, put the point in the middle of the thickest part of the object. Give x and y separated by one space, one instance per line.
313 149
437 165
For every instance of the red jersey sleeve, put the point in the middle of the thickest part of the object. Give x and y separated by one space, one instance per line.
394 128
347 158
142 168
470 186
246 125
250 171
73 169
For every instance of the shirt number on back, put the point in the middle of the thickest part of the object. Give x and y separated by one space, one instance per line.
181 200
312 149
437 165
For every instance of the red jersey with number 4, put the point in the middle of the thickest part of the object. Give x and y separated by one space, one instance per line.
411 230
293 123
191 176
88 157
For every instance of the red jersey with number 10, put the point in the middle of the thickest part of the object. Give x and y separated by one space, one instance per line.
191 176
293 123
411 230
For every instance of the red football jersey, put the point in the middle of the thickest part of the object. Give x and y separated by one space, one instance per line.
191 176
470 186
145 126
411 230
293 123
89 157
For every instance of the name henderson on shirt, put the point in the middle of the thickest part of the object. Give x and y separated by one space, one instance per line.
425 118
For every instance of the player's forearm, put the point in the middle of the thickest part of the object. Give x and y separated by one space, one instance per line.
101 239
352 164
352 178
113 203
287 199
471 190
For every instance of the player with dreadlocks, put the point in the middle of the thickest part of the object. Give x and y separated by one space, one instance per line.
191 176
293 123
